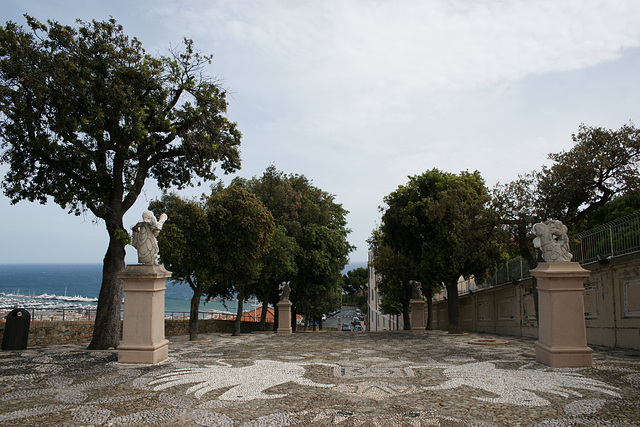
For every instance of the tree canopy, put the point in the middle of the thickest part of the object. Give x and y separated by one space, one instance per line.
602 165
444 224
186 248
241 230
86 116
596 181
310 246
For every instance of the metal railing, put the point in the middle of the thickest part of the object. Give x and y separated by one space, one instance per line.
55 314
513 271
78 314
615 238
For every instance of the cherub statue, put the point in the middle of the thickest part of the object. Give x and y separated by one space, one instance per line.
144 237
416 290
285 290
552 241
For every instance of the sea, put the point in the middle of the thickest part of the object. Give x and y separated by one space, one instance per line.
47 287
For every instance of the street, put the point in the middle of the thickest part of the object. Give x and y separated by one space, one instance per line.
346 315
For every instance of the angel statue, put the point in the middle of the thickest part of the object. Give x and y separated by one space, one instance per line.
144 237
285 290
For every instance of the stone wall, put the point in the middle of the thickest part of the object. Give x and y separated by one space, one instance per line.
611 301
72 332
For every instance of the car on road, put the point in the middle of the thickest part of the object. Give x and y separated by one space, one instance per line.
358 327
346 327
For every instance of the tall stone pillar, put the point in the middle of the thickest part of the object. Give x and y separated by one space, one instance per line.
284 317
417 315
562 337
143 339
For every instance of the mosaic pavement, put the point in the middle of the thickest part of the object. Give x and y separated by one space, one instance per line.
320 379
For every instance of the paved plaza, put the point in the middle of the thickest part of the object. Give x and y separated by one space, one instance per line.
320 379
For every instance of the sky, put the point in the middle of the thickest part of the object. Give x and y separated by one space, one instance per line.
358 95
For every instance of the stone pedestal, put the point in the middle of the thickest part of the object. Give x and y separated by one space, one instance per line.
417 315
143 339
562 337
284 317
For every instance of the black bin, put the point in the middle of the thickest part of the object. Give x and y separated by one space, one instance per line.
16 330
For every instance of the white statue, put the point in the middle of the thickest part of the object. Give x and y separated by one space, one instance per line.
552 241
144 237
416 290
285 290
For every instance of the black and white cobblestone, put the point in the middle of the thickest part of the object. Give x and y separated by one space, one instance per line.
319 379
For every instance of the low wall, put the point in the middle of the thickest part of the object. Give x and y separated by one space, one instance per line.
72 332
611 303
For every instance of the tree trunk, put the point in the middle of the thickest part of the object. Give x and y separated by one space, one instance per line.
406 315
193 315
276 317
238 322
294 317
429 295
107 327
263 315
454 308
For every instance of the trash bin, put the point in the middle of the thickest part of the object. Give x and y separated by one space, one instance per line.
16 330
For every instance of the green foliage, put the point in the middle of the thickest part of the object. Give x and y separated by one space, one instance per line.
214 244
185 243
241 228
355 281
87 115
602 164
443 223
309 247
390 306
515 203
122 236
617 208
595 182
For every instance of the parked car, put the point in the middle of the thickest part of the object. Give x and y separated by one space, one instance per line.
346 327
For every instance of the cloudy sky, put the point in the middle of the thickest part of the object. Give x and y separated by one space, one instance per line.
357 95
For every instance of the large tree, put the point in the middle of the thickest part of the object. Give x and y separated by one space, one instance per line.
86 116
395 271
321 232
602 165
310 246
186 248
445 224
275 191
354 287
241 228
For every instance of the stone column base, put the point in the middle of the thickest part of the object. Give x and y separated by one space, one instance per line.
562 336
151 354
563 357
143 339
284 317
417 315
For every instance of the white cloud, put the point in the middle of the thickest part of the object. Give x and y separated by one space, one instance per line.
358 94
370 62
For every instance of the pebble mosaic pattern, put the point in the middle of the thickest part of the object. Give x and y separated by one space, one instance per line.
319 379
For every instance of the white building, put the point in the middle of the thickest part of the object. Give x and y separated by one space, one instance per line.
377 321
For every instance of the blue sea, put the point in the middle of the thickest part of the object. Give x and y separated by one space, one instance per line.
70 286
